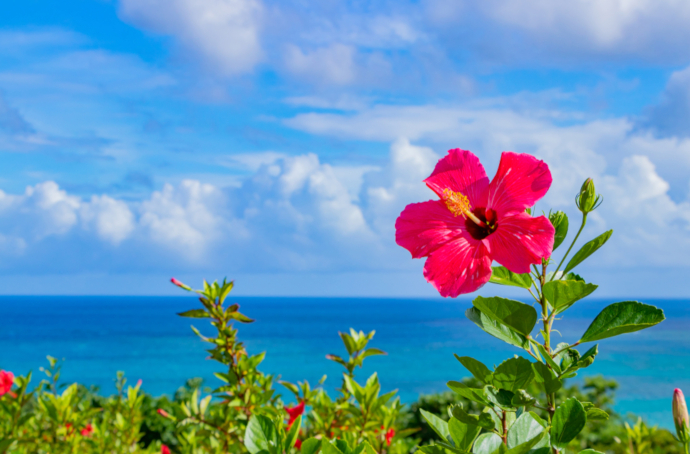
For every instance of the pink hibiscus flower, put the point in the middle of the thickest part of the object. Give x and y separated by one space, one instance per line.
477 221
87 431
6 382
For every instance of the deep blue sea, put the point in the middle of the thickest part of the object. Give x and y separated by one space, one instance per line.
142 336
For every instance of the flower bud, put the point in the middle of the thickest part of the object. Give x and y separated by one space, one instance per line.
588 200
180 284
680 416
163 413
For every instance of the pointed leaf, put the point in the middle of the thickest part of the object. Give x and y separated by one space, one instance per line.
587 250
518 316
502 276
194 313
473 394
567 423
563 294
621 318
559 220
476 368
463 434
311 446
527 446
260 435
496 329
437 424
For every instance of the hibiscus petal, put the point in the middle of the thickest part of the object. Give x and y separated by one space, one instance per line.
520 181
461 266
424 227
521 240
460 171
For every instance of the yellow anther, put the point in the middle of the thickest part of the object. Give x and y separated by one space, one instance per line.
459 205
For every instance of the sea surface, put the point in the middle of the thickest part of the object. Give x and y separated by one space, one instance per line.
143 336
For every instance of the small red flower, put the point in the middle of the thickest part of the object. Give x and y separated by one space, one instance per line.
165 450
476 221
87 431
6 382
389 436
298 444
180 284
163 413
294 412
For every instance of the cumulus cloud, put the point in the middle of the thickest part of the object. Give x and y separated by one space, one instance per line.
225 33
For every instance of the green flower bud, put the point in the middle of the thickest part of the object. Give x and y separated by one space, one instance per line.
588 200
680 416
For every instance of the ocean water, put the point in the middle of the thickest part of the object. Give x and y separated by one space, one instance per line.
97 336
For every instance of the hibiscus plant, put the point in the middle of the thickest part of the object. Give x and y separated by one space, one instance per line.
474 222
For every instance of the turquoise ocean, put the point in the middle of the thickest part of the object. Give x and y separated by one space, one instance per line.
98 336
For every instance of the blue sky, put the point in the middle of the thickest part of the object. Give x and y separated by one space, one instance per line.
276 142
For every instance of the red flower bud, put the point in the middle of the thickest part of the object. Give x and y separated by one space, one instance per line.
680 416
298 444
6 382
180 284
165 450
163 413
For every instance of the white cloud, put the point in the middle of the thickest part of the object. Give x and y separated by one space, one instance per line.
334 64
671 117
112 219
224 33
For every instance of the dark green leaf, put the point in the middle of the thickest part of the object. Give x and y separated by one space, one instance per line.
567 423
500 397
431 449
241 317
496 329
547 357
559 220
563 294
513 374
587 250
596 414
487 443
524 429
546 377
501 275
621 318
518 316
473 394
260 434
463 434
330 448
476 368
589 451
194 313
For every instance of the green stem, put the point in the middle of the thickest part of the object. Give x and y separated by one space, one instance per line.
582 226
687 448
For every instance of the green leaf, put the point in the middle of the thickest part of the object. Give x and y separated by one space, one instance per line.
522 398
349 343
329 448
487 443
482 420
476 368
437 424
463 434
518 316
431 449
260 434
563 294
621 318
500 397
473 394
293 433
310 446
496 329
527 446
525 428
194 313
567 423
547 357
513 374
240 317
587 250
546 377
589 451
596 414
502 276
559 220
